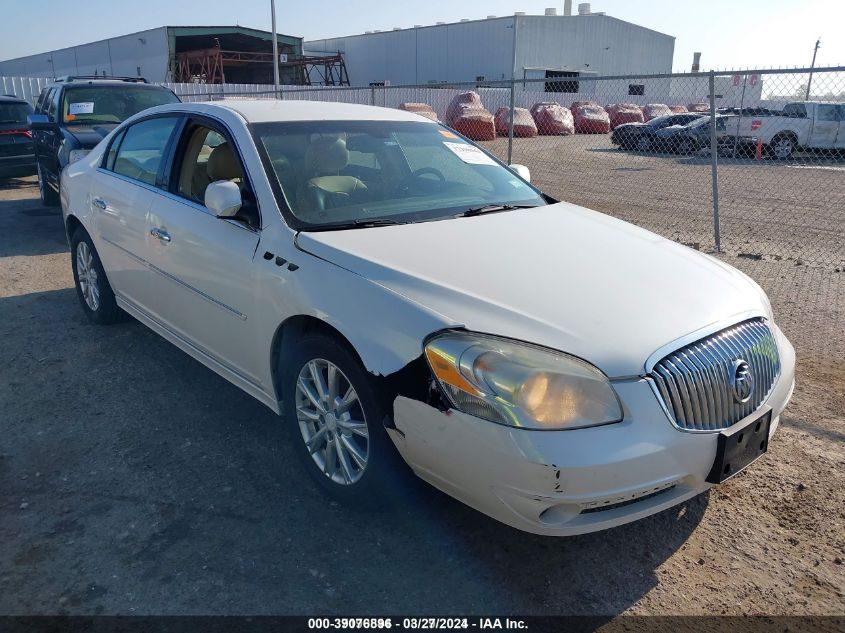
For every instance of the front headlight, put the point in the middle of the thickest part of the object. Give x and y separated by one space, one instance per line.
519 384
77 154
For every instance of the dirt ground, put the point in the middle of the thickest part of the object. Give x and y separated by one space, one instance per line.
133 480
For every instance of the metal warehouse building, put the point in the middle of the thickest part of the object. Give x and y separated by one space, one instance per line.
522 46
169 53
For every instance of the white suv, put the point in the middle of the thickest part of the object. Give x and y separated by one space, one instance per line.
384 284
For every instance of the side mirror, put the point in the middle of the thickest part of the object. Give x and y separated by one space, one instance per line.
223 198
38 121
522 171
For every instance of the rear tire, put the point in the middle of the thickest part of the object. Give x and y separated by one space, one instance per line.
49 197
92 285
337 429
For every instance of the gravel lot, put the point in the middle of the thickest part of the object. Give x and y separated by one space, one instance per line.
133 480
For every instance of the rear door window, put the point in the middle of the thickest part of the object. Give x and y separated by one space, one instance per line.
143 147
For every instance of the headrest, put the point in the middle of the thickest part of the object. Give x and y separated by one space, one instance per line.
223 164
326 155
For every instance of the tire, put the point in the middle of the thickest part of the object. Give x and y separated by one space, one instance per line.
643 144
782 147
49 198
370 485
685 146
92 285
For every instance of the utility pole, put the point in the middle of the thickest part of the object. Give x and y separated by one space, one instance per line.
275 49
812 65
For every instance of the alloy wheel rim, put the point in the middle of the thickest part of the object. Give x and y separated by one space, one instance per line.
332 421
783 148
87 275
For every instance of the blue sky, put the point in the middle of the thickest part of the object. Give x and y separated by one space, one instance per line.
729 33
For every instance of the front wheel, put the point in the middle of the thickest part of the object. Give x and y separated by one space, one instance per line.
685 146
92 287
334 413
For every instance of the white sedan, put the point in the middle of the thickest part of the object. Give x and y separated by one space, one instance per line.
385 285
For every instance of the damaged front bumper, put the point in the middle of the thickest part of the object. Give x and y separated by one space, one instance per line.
562 483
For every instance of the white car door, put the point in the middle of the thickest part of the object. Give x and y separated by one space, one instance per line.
123 189
825 126
205 283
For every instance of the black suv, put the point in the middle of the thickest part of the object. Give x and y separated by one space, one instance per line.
17 156
73 114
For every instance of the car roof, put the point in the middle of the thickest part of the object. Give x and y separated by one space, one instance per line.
275 110
105 82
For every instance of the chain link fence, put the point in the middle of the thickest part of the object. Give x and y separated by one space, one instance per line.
770 199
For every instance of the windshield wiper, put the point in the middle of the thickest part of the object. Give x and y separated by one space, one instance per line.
360 223
493 208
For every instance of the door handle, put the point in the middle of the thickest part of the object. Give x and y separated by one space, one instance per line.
99 203
161 234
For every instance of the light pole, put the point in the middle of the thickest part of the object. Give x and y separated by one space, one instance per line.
275 49
812 65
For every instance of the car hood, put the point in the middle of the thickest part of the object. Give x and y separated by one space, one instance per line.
560 276
630 126
89 135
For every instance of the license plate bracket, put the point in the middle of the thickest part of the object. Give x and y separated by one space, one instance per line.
739 447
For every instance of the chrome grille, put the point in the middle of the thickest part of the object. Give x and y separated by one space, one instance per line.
695 382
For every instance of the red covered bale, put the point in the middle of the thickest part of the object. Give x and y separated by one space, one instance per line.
698 107
552 119
654 110
678 109
467 115
523 122
620 113
590 119
423 109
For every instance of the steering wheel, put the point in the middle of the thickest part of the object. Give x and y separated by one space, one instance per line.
405 185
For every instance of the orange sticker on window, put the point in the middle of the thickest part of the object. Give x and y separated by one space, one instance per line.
447 134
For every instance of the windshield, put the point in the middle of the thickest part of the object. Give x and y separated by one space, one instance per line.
110 104
14 112
337 174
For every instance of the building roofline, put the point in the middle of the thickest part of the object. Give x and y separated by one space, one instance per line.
497 18
232 29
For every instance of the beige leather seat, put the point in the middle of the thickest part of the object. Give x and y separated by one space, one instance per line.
324 189
223 164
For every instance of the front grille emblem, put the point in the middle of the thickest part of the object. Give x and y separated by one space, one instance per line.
742 381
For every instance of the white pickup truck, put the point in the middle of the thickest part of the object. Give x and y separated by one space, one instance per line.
811 125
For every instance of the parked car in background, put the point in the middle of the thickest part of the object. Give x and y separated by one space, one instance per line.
801 125
17 153
385 285
590 119
552 119
423 109
523 123
654 110
75 113
624 113
695 136
467 115
644 136
698 107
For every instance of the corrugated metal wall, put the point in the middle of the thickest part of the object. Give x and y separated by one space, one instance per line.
120 56
463 51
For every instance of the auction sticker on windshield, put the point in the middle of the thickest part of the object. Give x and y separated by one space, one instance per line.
470 154
83 107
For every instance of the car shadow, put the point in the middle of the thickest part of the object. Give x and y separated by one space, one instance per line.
138 458
29 228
